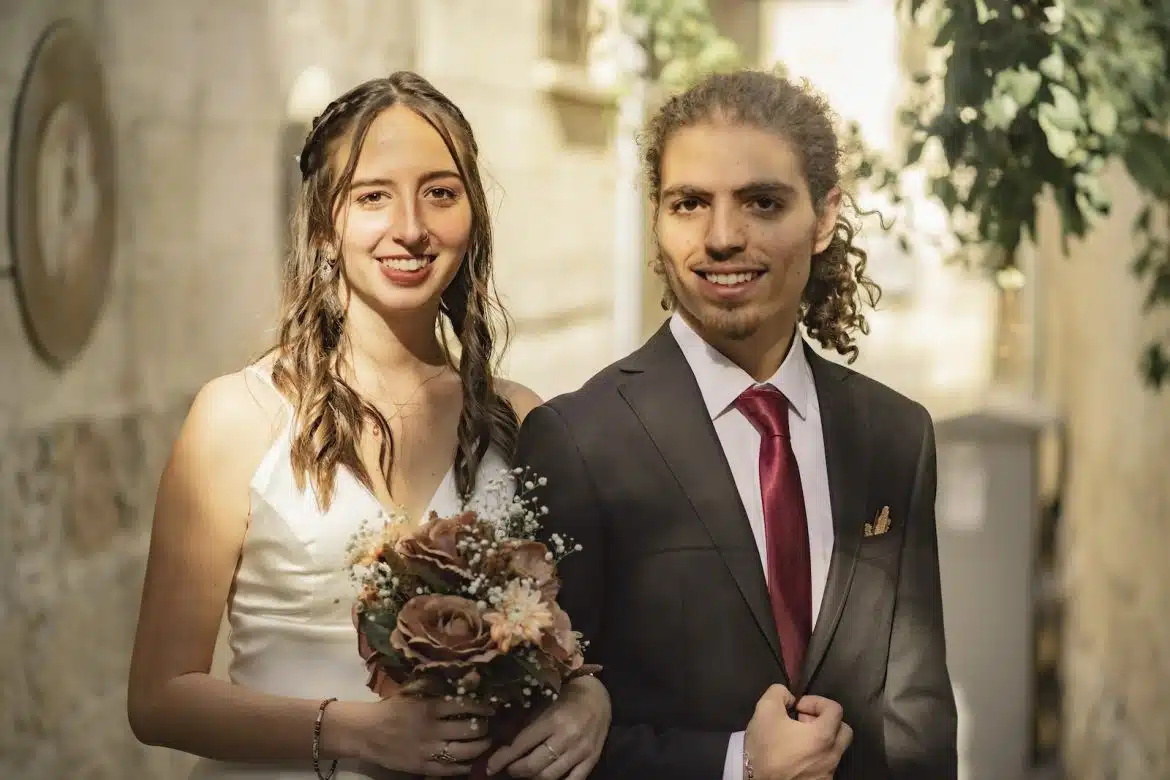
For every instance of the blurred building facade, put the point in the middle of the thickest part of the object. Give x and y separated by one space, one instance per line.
206 101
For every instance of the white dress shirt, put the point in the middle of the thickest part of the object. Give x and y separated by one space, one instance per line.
720 383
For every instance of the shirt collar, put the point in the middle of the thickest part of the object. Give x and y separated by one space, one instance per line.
722 381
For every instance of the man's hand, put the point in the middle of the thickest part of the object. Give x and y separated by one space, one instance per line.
807 748
564 741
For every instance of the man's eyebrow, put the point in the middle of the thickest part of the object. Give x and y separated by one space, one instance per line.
761 187
766 187
685 190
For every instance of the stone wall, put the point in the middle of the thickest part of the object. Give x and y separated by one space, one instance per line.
197 92
76 496
1117 517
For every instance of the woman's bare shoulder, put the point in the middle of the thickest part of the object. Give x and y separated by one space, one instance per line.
522 398
236 416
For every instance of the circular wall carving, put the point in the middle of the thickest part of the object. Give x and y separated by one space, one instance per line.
62 193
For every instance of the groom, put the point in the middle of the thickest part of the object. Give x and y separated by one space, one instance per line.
759 568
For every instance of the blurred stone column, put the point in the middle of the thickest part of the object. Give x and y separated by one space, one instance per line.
310 93
617 59
628 222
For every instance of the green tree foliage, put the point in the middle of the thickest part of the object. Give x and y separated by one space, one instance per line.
1034 97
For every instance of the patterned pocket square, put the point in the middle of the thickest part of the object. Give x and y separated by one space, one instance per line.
880 524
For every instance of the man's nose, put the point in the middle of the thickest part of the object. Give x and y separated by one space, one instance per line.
725 235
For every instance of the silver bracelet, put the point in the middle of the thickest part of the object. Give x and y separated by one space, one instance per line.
317 743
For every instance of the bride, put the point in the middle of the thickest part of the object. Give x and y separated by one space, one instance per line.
360 407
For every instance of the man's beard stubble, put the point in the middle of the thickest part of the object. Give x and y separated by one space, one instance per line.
712 319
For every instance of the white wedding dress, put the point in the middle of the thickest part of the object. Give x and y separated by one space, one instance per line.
290 628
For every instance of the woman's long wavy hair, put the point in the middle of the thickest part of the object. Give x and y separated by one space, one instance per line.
831 306
330 415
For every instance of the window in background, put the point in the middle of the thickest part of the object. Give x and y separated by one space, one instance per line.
567 31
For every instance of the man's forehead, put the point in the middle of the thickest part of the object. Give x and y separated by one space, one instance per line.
728 156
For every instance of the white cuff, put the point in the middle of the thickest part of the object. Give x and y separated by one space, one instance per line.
733 764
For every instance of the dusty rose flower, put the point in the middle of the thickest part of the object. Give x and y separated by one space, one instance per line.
531 560
435 544
522 615
559 642
442 631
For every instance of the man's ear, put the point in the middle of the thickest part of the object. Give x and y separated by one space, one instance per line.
827 221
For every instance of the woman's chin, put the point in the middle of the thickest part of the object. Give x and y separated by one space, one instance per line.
404 304
395 298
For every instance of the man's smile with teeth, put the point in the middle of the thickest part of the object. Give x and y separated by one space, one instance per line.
730 279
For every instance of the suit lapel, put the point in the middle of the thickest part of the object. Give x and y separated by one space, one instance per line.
846 435
661 390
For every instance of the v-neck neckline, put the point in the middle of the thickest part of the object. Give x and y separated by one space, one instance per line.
395 509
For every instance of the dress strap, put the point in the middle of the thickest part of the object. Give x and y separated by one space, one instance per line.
278 454
264 374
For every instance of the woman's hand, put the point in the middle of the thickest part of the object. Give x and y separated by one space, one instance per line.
431 737
565 740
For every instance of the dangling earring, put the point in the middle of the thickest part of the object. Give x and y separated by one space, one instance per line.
328 263
328 271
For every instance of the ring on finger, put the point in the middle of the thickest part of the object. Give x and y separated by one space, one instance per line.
443 756
556 756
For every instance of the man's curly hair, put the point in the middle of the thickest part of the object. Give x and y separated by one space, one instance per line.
831 307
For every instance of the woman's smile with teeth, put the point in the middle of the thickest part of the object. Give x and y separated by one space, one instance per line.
730 279
407 263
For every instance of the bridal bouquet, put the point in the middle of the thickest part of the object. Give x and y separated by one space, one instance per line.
465 606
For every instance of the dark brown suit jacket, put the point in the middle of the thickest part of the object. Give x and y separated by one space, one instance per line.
670 592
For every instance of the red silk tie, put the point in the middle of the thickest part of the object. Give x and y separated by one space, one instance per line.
785 524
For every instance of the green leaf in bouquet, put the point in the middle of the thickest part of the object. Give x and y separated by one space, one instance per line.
544 674
503 671
426 685
433 578
377 633
503 677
